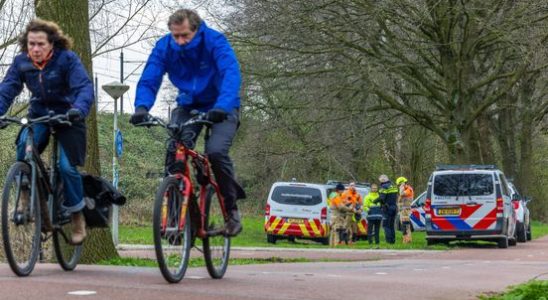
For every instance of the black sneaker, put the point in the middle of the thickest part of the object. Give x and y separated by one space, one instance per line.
233 227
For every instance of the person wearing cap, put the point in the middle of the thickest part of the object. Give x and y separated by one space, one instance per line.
388 197
374 214
405 197
340 208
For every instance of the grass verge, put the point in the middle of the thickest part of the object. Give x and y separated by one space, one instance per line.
534 289
253 236
199 262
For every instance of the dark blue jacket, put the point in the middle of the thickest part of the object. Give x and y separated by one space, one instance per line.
205 71
388 194
61 85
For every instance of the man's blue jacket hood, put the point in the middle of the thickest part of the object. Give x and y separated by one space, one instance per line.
205 71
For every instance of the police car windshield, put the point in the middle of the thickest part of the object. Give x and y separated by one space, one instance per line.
297 195
463 184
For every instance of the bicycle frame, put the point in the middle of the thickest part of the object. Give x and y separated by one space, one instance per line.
40 184
183 154
200 163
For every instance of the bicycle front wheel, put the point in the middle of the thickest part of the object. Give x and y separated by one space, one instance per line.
216 243
67 254
171 230
20 221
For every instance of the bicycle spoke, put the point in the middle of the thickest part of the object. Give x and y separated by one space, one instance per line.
171 237
216 245
20 223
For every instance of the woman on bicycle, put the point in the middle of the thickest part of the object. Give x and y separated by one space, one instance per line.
58 82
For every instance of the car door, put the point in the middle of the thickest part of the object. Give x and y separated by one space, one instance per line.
417 216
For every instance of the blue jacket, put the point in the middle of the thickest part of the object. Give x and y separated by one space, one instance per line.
61 85
388 194
205 71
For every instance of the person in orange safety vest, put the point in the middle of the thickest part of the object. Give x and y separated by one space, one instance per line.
405 198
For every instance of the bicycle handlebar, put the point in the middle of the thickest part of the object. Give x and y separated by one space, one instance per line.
198 118
51 119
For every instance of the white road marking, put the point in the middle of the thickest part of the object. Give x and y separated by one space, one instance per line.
194 277
418 269
82 293
446 267
381 273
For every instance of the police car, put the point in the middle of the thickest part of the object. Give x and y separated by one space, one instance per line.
469 202
417 216
297 210
523 223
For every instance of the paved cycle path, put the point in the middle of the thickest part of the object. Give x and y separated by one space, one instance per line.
454 274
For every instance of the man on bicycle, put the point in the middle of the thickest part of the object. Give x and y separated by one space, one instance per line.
203 66
58 82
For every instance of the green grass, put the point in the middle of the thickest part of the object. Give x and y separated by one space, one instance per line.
253 236
534 289
199 262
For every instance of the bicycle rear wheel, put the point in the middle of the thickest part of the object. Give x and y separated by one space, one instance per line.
67 254
172 234
216 243
20 223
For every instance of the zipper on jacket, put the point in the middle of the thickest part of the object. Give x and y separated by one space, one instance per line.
40 79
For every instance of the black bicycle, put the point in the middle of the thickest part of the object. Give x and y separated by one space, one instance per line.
31 204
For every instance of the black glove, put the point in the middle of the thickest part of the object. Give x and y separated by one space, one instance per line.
140 115
3 124
216 115
74 114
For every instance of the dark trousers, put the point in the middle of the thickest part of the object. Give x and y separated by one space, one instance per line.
389 219
373 230
217 147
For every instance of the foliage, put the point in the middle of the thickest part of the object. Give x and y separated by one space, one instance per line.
534 289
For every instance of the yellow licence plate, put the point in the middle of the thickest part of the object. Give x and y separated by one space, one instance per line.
453 211
296 221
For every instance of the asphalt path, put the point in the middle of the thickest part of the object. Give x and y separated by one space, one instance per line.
372 274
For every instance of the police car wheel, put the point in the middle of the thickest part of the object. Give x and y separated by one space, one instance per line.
271 238
502 242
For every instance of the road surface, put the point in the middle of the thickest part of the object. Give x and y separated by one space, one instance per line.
373 274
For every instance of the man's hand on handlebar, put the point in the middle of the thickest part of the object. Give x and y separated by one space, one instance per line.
216 115
140 116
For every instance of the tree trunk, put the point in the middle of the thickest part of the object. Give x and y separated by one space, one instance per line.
72 17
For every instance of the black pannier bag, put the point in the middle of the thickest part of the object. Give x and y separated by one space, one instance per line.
99 195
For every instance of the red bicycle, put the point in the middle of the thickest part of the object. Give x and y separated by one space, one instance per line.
180 215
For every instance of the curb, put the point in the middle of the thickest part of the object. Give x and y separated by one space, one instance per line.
137 247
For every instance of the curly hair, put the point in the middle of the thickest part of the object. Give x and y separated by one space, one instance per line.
53 31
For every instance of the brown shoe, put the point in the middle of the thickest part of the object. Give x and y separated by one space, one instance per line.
78 228
24 199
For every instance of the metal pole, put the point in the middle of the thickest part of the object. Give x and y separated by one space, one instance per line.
115 175
122 80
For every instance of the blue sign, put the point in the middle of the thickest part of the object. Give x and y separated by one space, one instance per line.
119 143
